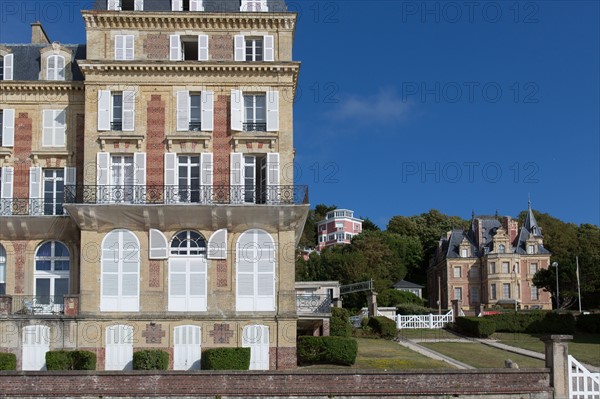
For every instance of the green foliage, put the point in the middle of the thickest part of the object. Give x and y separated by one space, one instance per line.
534 322
369 225
8 361
226 359
70 360
480 327
409 309
339 325
364 322
386 328
150 359
589 323
394 297
327 350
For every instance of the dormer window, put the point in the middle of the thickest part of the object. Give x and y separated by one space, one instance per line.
464 252
55 67
187 5
6 67
530 249
254 6
501 249
125 5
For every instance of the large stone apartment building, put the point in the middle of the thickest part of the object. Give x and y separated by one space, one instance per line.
490 264
142 199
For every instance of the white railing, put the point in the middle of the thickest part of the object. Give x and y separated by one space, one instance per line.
583 384
424 321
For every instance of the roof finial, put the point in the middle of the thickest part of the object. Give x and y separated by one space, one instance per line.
472 214
529 201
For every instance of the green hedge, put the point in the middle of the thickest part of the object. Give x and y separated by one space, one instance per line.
226 359
534 322
326 350
339 325
480 327
589 323
70 360
410 309
8 361
151 359
383 326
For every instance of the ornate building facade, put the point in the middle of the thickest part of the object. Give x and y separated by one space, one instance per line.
144 197
490 264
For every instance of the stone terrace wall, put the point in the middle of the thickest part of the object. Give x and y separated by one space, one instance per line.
496 383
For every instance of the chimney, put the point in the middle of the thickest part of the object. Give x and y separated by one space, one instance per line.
38 34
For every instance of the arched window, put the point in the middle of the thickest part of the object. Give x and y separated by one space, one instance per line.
187 272
55 68
501 249
255 272
51 275
2 271
120 272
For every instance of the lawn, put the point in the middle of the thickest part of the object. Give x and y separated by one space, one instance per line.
584 347
481 356
380 354
428 333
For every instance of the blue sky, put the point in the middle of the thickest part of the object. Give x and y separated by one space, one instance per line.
405 106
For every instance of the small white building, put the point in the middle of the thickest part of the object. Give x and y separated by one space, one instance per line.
404 285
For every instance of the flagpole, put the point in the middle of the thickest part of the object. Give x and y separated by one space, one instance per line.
578 286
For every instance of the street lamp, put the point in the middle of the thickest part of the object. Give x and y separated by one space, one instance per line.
555 264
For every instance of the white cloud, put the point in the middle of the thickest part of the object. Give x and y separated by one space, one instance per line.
385 107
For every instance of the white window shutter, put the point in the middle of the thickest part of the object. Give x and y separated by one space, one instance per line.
139 167
47 127
8 66
114 5
176 5
103 168
8 127
273 168
6 191
240 48
128 111
207 111
159 246
196 5
206 172
272 111
35 182
264 7
237 110
175 48
60 67
103 110
217 245
183 111
139 5
236 178
119 47
202 47
51 68
129 47
269 48
70 176
60 128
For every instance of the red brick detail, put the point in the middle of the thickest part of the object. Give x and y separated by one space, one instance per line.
220 47
156 47
154 274
249 146
495 383
79 149
221 273
154 333
260 145
71 306
155 147
22 153
221 333
286 358
20 248
221 142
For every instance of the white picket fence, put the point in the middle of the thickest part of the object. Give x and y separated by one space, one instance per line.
424 321
583 384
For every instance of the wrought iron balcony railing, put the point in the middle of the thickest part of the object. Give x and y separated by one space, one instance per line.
255 127
206 195
309 304
37 304
195 126
116 126
30 206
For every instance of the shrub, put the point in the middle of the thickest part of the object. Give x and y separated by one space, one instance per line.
534 322
70 360
364 322
226 359
555 323
386 328
480 327
326 350
393 297
589 323
8 361
150 359
409 309
339 325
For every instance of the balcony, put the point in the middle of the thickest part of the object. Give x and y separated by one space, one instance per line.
204 195
29 207
313 304
255 127
195 126
37 305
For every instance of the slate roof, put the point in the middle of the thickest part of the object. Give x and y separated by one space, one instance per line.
209 5
406 284
456 238
530 228
27 60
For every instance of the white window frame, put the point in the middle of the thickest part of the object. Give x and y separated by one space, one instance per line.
533 268
51 306
6 190
240 43
184 110
493 292
7 66
460 293
505 267
2 270
535 293
56 72
8 127
457 272
194 269
464 252
254 6
124 47
106 111
530 249
54 127
506 291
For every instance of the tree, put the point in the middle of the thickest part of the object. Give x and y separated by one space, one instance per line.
368 225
